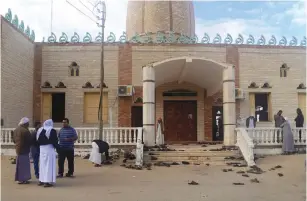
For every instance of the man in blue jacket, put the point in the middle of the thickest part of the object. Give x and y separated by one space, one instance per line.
67 138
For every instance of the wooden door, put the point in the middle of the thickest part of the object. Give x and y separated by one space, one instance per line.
137 116
302 103
180 121
217 123
91 106
46 106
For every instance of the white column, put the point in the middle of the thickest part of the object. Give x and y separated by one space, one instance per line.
149 105
229 105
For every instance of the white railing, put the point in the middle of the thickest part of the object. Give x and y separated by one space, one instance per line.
114 136
246 146
273 136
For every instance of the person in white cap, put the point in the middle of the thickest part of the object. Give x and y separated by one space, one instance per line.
22 139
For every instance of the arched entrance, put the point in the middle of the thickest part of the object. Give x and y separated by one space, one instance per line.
205 73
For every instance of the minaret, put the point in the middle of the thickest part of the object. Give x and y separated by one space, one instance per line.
153 16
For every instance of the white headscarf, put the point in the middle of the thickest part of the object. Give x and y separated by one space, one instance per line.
48 125
23 121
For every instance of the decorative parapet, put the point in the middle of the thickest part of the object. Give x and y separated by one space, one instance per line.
20 26
169 37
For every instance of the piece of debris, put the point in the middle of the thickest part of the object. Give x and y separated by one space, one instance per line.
280 174
207 164
185 162
87 156
193 183
229 170
271 169
240 172
175 163
196 163
13 161
255 170
153 158
125 160
255 180
278 166
106 163
162 164
138 167
230 158
123 165
245 175
224 170
148 168
151 154
180 150
203 145
238 183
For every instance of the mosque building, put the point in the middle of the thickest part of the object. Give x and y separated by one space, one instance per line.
158 68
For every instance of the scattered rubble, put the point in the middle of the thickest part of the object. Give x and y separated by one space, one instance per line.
196 163
245 175
175 163
207 164
87 156
255 180
240 172
238 183
160 163
280 174
255 170
185 163
193 183
153 158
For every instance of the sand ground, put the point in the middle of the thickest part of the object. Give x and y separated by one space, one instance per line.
115 183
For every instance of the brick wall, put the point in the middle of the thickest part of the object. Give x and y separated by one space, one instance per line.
55 62
262 65
124 78
17 56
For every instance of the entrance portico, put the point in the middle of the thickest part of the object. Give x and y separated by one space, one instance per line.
204 73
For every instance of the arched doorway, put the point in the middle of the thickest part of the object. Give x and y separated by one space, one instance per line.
205 73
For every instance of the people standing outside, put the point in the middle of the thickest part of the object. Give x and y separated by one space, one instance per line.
288 141
35 149
99 147
299 121
22 139
47 140
279 120
67 138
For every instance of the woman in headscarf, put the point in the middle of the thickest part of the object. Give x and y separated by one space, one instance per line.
48 141
288 141
299 121
22 140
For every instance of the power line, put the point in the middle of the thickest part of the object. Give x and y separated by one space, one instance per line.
81 11
86 7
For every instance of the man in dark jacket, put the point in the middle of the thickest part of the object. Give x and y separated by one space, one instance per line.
35 150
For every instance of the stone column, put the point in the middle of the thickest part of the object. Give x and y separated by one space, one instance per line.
149 105
229 105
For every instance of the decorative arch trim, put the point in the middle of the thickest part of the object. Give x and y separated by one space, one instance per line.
104 85
87 85
46 85
266 85
253 85
60 85
301 86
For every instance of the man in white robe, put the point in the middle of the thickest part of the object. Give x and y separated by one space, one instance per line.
48 142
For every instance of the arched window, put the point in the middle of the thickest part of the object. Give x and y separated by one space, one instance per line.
74 69
72 72
283 70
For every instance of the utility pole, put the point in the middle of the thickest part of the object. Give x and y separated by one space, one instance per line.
99 11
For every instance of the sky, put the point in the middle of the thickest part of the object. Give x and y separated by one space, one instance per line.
267 18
